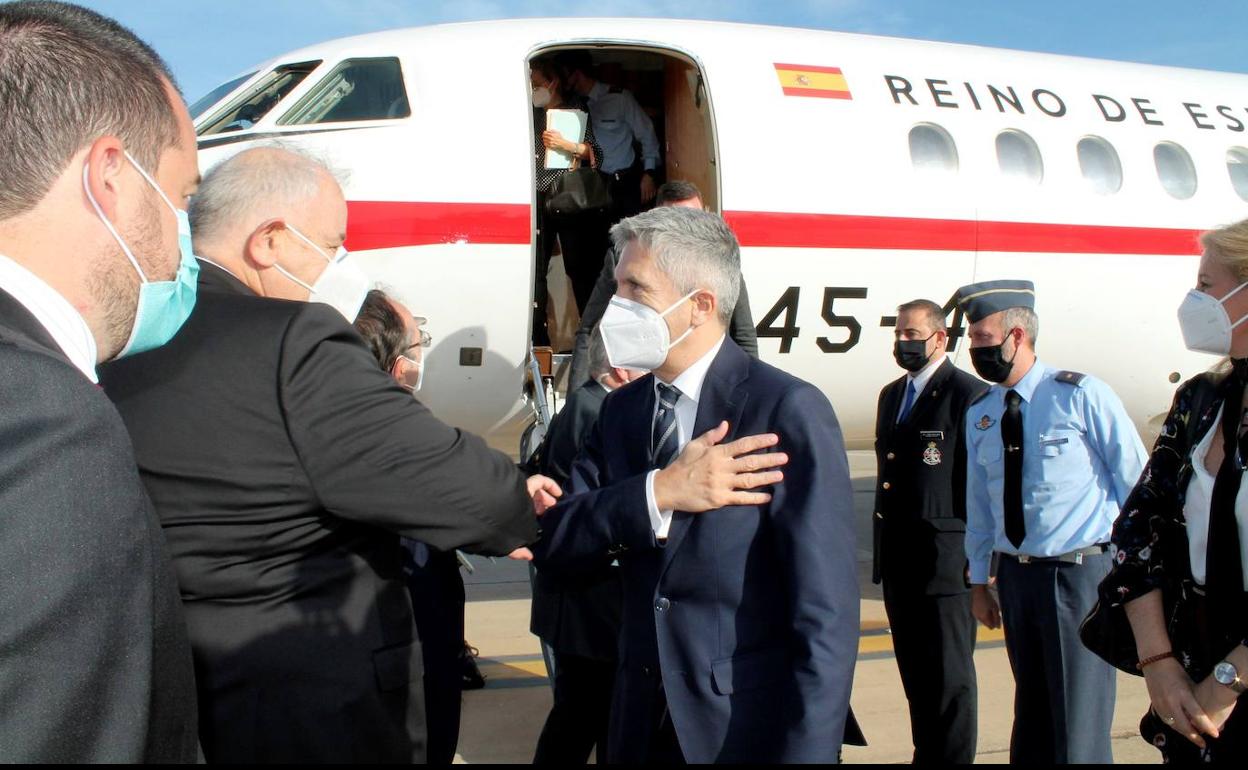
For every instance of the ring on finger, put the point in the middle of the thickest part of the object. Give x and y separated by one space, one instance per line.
1169 720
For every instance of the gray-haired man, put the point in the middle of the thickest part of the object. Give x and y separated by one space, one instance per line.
740 593
284 464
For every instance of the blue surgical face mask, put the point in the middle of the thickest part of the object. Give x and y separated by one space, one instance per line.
163 305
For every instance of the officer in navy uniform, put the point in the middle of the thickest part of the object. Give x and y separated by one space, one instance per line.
919 528
1051 458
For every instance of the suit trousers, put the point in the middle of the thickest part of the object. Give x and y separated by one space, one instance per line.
1063 693
580 716
934 641
437 592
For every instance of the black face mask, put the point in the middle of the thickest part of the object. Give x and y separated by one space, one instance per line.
990 364
911 355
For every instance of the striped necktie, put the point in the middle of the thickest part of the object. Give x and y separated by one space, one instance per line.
664 438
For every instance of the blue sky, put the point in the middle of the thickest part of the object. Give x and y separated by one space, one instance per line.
206 42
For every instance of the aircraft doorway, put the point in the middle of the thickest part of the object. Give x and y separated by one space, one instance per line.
670 90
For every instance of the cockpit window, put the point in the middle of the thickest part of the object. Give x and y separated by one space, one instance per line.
357 89
217 94
256 102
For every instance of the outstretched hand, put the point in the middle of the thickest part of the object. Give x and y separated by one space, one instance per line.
544 491
710 475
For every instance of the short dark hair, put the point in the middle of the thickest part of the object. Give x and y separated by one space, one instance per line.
935 313
676 191
574 61
68 76
383 329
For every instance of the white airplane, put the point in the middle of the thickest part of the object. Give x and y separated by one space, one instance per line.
858 173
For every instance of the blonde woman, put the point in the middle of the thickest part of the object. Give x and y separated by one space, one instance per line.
1180 541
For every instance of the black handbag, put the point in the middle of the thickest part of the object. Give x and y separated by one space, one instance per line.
578 192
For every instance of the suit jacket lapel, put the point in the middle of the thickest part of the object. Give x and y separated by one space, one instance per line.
723 397
892 404
637 432
928 397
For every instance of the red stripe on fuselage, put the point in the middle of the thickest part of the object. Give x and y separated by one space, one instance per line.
383 225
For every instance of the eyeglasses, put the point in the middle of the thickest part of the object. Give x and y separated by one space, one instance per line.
423 341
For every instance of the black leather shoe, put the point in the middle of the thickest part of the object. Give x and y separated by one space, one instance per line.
471 676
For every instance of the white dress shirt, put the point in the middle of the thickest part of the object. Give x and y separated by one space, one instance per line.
919 380
1196 509
617 120
63 323
689 383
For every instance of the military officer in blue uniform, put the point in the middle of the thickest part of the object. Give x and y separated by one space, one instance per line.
1051 457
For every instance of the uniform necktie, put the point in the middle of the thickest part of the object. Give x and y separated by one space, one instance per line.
664 440
1012 440
1223 572
908 403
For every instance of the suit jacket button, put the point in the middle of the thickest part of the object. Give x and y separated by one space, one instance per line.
663 604
890 456
886 485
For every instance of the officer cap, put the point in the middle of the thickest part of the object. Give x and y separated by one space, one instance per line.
980 300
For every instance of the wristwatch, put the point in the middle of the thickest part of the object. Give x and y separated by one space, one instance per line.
1225 673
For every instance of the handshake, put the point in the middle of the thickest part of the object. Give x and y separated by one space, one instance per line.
707 475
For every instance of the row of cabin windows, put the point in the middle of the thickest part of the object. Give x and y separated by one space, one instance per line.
1018 158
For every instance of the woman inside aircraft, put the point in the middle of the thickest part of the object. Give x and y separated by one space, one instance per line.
582 237
1180 565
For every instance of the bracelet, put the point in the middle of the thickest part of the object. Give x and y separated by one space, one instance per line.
1155 658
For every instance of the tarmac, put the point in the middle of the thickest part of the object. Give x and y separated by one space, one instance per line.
501 722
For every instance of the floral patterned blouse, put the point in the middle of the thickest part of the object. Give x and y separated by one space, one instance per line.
1149 542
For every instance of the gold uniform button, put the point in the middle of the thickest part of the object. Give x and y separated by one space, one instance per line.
886 485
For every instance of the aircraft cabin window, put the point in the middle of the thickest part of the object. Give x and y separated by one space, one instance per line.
256 102
1237 167
1098 161
357 89
1175 170
932 149
217 94
1018 157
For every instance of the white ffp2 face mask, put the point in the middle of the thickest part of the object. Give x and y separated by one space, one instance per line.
342 284
636 336
1205 325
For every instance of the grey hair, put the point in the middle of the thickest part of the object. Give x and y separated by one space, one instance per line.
1023 318
260 179
694 248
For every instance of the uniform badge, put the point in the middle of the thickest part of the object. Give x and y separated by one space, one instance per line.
985 423
931 455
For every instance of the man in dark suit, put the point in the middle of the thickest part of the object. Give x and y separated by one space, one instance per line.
740 326
94 660
579 619
919 526
740 607
284 463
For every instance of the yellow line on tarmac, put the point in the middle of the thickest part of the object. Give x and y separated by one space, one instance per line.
875 642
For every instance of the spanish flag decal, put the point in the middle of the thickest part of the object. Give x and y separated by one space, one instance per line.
808 80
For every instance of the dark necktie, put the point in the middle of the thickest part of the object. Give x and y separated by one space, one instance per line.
1223 571
664 438
907 404
1012 440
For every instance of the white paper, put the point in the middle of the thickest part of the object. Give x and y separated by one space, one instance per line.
569 123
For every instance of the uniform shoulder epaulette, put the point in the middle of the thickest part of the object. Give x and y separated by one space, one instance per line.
980 396
1071 378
